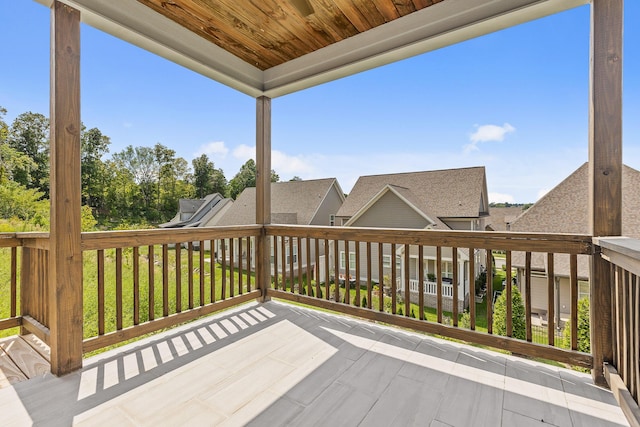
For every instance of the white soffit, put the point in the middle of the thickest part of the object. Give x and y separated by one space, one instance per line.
434 27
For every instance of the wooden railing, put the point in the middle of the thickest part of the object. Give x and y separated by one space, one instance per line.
137 282
323 250
9 246
623 374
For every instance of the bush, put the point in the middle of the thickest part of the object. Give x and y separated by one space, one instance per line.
584 339
364 301
518 320
481 282
465 320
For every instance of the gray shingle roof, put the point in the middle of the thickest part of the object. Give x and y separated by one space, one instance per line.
290 201
565 208
449 193
499 217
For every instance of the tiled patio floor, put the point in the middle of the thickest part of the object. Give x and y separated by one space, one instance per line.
276 364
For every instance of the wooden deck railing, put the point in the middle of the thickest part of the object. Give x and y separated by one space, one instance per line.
623 374
137 282
321 253
9 245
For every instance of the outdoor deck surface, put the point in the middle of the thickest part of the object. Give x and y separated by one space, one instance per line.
277 364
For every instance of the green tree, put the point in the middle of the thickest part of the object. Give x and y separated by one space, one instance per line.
29 135
17 201
93 145
10 159
584 339
246 177
203 170
518 319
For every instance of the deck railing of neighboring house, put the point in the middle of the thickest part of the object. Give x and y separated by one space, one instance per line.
623 375
430 288
155 279
291 284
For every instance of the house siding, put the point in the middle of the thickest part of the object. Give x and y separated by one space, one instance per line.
391 212
328 207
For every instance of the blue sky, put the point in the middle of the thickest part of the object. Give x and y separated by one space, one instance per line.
515 102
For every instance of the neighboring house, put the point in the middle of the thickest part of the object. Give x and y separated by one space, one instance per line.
500 219
565 209
312 202
199 213
452 199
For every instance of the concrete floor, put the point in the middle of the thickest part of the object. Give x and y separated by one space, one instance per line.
277 364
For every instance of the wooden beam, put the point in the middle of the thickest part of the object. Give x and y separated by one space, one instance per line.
263 191
65 290
605 163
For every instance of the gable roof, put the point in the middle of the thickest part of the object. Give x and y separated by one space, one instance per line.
500 218
290 201
565 209
198 208
403 194
449 193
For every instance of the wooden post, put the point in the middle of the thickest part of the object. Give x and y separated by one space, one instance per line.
263 192
605 164
65 274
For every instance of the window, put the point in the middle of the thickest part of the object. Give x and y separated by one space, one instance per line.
352 260
332 220
583 289
386 261
447 269
398 262
295 253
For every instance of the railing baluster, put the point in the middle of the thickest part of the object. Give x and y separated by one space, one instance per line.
347 274
212 268
178 277
190 273
455 297
202 273
369 279
232 267
357 285
283 252
633 344
240 254
509 296
573 284
317 267
136 285
118 289
275 262
336 271
407 294
223 242
439 283
308 269
326 269
165 280
152 281
617 314
551 303
380 277
14 281
299 263
527 294
472 282
100 256
624 306
636 358
394 278
489 291
291 265
421 282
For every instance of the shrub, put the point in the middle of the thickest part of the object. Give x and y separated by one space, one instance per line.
518 319
584 340
364 301
465 320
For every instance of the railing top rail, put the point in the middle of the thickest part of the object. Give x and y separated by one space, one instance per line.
128 238
622 251
515 241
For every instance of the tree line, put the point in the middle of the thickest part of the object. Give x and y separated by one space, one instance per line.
138 185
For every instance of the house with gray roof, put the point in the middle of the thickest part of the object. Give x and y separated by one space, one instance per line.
565 209
500 219
450 199
310 202
199 212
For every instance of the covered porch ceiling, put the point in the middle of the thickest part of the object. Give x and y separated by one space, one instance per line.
275 47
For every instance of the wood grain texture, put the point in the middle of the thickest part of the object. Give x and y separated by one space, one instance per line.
9 371
605 161
29 361
65 291
263 192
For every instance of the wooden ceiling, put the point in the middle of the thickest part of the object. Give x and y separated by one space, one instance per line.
267 33
275 47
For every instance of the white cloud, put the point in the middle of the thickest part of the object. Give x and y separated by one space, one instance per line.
215 148
501 198
244 152
488 133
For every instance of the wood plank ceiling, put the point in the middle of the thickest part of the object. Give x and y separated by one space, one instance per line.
267 33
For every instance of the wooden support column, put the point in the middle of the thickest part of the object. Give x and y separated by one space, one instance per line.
605 165
263 191
65 273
